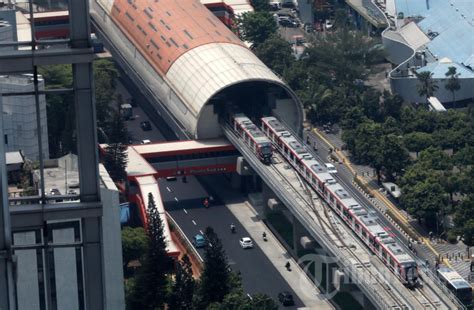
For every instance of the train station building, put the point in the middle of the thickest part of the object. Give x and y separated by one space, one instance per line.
191 66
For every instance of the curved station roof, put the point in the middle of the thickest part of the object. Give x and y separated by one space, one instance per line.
193 51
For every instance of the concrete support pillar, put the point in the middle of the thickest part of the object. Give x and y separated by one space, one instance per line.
236 181
298 232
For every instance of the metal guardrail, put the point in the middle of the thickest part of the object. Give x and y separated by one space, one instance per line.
365 285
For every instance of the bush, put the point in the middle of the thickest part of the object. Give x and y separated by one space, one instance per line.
452 237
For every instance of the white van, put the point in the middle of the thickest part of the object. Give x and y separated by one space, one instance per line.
331 168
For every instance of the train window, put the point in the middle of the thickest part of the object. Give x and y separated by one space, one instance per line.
357 227
320 185
391 262
364 234
292 157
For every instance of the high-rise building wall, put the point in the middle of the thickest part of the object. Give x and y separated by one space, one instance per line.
59 252
19 116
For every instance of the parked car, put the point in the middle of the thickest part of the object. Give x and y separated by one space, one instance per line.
331 168
199 241
145 141
246 243
329 24
288 22
145 125
286 298
54 192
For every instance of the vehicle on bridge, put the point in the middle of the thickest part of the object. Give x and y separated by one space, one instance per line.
455 283
253 137
365 225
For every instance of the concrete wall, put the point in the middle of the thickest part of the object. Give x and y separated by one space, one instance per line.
112 246
397 51
407 88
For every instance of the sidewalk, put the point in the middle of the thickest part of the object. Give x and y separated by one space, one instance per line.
455 254
276 253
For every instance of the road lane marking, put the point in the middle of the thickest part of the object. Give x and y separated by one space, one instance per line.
176 198
185 211
194 222
169 190
201 232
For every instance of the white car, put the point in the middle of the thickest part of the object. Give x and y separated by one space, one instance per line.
246 243
329 24
146 141
331 168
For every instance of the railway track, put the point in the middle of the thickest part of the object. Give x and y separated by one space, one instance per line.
325 226
385 290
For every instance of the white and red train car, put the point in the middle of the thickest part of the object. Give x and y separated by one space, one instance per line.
253 137
367 226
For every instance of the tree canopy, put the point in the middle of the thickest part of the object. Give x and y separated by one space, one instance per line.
256 27
152 280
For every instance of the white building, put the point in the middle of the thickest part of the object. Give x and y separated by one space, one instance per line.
19 116
430 36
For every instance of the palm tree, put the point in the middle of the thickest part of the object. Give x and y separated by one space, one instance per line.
427 85
452 84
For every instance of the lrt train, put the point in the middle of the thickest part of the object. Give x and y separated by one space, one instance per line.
253 137
366 225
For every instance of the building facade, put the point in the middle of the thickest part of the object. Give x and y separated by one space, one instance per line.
19 116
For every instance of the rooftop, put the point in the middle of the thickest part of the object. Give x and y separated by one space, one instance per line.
167 29
450 26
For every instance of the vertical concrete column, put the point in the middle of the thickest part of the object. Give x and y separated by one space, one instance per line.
298 232
7 287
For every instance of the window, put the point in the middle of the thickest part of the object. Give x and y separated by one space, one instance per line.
129 17
154 44
6 139
148 13
188 34
152 27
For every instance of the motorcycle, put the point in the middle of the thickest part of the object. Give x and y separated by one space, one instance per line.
264 236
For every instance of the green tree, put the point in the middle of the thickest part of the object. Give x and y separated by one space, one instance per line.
276 53
417 141
427 86
134 244
105 82
425 201
182 292
468 232
152 279
435 158
391 105
394 155
256 27
116 156
342 57
260 5
452 83
215 278
465 156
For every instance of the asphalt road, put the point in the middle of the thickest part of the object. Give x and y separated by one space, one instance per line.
257 272
183 201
